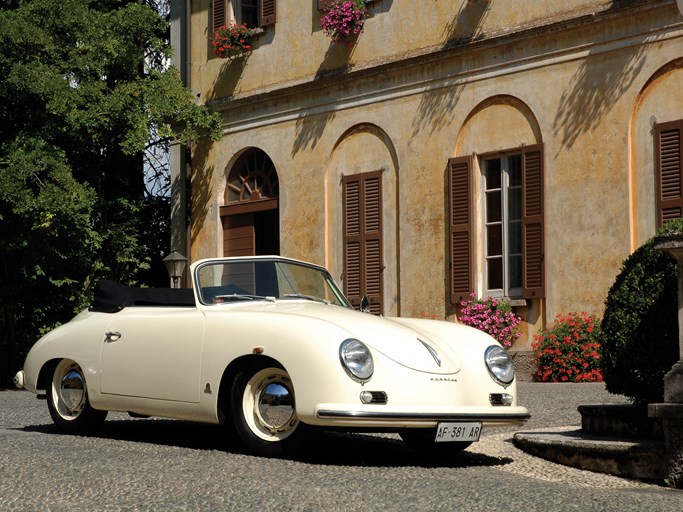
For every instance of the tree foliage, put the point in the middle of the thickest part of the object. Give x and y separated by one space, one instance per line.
82 86
640 323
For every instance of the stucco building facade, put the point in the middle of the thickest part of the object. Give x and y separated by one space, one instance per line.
507 148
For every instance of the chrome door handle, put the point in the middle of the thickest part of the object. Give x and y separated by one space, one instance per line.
112 336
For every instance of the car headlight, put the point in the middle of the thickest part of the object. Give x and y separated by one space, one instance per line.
356 359
500 365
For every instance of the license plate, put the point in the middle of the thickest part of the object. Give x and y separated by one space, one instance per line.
452 432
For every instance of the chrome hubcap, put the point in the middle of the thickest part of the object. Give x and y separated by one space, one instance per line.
72 391
275 407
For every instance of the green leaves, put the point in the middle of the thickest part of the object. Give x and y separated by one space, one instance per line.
82 88
640 324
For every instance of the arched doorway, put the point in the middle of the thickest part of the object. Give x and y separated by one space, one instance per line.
251 217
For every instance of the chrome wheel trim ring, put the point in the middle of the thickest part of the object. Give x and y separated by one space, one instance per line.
68 390
268 405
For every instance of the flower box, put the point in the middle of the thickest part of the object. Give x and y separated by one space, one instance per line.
344 19
230 41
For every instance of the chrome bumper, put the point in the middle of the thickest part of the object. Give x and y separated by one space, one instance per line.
401 417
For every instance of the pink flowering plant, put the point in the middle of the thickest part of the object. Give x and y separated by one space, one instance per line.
570 350
492 316
344 19
232 40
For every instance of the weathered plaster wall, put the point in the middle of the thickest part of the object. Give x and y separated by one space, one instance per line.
296 48
587 91
659 101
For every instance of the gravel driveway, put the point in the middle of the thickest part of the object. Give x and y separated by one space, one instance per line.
155 464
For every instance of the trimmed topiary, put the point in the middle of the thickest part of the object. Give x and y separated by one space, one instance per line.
640 324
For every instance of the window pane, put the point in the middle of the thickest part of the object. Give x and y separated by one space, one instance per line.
493 174
515 170
495 273
515 238
514 203
494 240
493 207
515 271
248 12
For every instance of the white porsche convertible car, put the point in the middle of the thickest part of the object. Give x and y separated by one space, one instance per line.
271 348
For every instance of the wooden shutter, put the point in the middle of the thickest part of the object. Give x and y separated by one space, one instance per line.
267 13
363 262
668 169
218 14
460 220
533 266
239 236
321 4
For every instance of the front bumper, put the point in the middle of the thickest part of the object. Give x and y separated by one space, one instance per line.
501 416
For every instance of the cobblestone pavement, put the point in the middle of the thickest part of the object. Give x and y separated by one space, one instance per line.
154 464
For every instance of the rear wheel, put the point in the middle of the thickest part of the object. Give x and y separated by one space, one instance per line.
422 439
67 400
264 412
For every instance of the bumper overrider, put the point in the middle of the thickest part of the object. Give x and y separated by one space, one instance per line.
19 379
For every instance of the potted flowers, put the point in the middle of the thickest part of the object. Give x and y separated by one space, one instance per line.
344 19
232 40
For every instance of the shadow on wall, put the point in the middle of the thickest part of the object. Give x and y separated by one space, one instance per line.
593 90
596 86
465 27
312 121
231 70
200 190
439 101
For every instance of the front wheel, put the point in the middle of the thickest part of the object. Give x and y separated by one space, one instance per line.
67 400
422 439
264 412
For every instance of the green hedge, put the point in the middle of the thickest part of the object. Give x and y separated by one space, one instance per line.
640 324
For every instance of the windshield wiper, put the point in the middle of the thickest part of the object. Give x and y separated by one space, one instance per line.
306 297
233 297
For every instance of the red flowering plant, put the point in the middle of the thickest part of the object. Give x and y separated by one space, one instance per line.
232 40
570 350
344 19
492 316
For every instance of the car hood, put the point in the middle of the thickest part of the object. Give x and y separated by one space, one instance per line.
423 345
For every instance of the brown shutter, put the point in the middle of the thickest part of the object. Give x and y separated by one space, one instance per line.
218 14
373 268
351 197
533 270
321 4
669 155
239 237
363 263
267 13
460 220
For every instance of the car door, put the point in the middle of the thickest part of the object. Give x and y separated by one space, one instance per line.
153 352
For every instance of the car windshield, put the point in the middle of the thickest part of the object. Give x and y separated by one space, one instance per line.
265 279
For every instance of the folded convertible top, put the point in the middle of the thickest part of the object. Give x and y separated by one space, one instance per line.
111 296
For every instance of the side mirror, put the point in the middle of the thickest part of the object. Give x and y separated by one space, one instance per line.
365 304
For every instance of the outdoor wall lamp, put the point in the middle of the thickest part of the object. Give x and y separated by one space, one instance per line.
175 265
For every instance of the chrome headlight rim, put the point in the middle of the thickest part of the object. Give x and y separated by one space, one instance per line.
356 359
500 365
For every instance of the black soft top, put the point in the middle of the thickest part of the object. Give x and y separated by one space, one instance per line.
111 296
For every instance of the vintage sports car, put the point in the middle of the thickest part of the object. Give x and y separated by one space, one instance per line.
271 348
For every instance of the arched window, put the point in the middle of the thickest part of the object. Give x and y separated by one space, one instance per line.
250 217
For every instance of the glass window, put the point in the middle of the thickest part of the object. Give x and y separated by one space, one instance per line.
503 195
246 11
